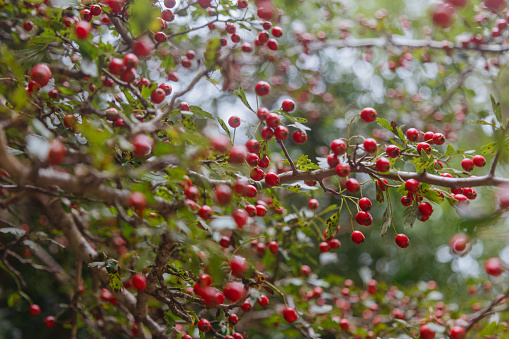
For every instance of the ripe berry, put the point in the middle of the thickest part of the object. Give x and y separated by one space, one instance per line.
313 204
411 185
234 121
242 4
406 200
272 44
262 113
238 266
272 179
143 47
402 240
233 319
246 307
49 321
170 3
267 133
252 159
273 247
82 29
262 88
205 212
225 241
479 161
392 151
237 155
344 324
95 10
223 194
368 114
288 105
41 74
34 310
157 96
263 300
56 154
247 47
305 270
167 15
234 291
115 66
370 145
495 5
290 315
494 266
139 281
138 201
343 170
412 134
458 332
428 137
365 204
165 87
425 209
273 120
467 164
364 218
281 132
264 163
261 210
426 332
28 25
204 325
383 164
338 147
358 237
253 146
438 138
130 60
240 216
324 247
352 185
423 146
443 14
142 145
334 244
257 174
299 137
277 31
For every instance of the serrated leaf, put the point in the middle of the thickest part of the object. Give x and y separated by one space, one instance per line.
115 282
223 125
386 220
213 46
242 96
305 164
497 109
433 196
384 123
264 145
201 113
489 148
332 224
275 202
450 150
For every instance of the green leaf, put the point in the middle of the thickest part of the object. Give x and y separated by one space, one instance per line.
264 145
489 148
201 113
213 46
386 220
497 109
13 299
294 188
242 96
384 123
223 125
332 224
432 195
115 282
304 164
450 150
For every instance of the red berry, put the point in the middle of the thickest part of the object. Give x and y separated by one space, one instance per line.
82 29
288 105
262 113
49 321
428 137
204 325
138 201
247 47
263 300
423 146
205 212
115 66
273 120
358 237
494 266
495 5
233 319
234 121
406 200
223 194
272 179
170 3
290 315
56 154
139 281
266 25
131 60
273 247
332 160
383 164
167 15
364 218
368 114
458 332
443 14
240 216
238 266
353 186
479 161
324 247
237 155
305 270
257 174
143 47
438 138
28 25
402 240
165 87
262 88
313 204
252 159
157 96
272 44
344 324
412 134
267 133
299 137
343 170
426 332
263 37
160 37
411 185
425 209
365 204
467 164
261 210
281 132
253 146
142 145
264 163
246 307
225 241
370 145
277 31
334 244
338 147
234 291
242 4
34 310
95 10
41 74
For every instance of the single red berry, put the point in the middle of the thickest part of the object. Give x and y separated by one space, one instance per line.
234 291
412 134
406 200
324 247
273 247
82 29
262 113
368 114
225 241
443 14
273 120
343 170
264 163
34 310
166 88
479 161
262 88
139 281
253 146
234 121
383 164
426 332
467 164
233 319
157 96
223 194
272 179
56 154
438 138
365 204
267 133
402 240
263 300
338 147
358 237
238 266
494 266
332 160
290 315
334 244
251 210
257 174
352 185
237 154
131 60
313 204
392 151
41 74
167 15
281 132
370 145
28 25
277 31
272 44
411 185
263 37
428 137
205 212
305 270
252 159
204 325
170 3
344 324
299 137
138 201
143 47
364 218
49 321
242 4
246 307
288 105
160 37
423 146
458 332
495 5
240 216
142 145
425 209
261 210
247 47
95 10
